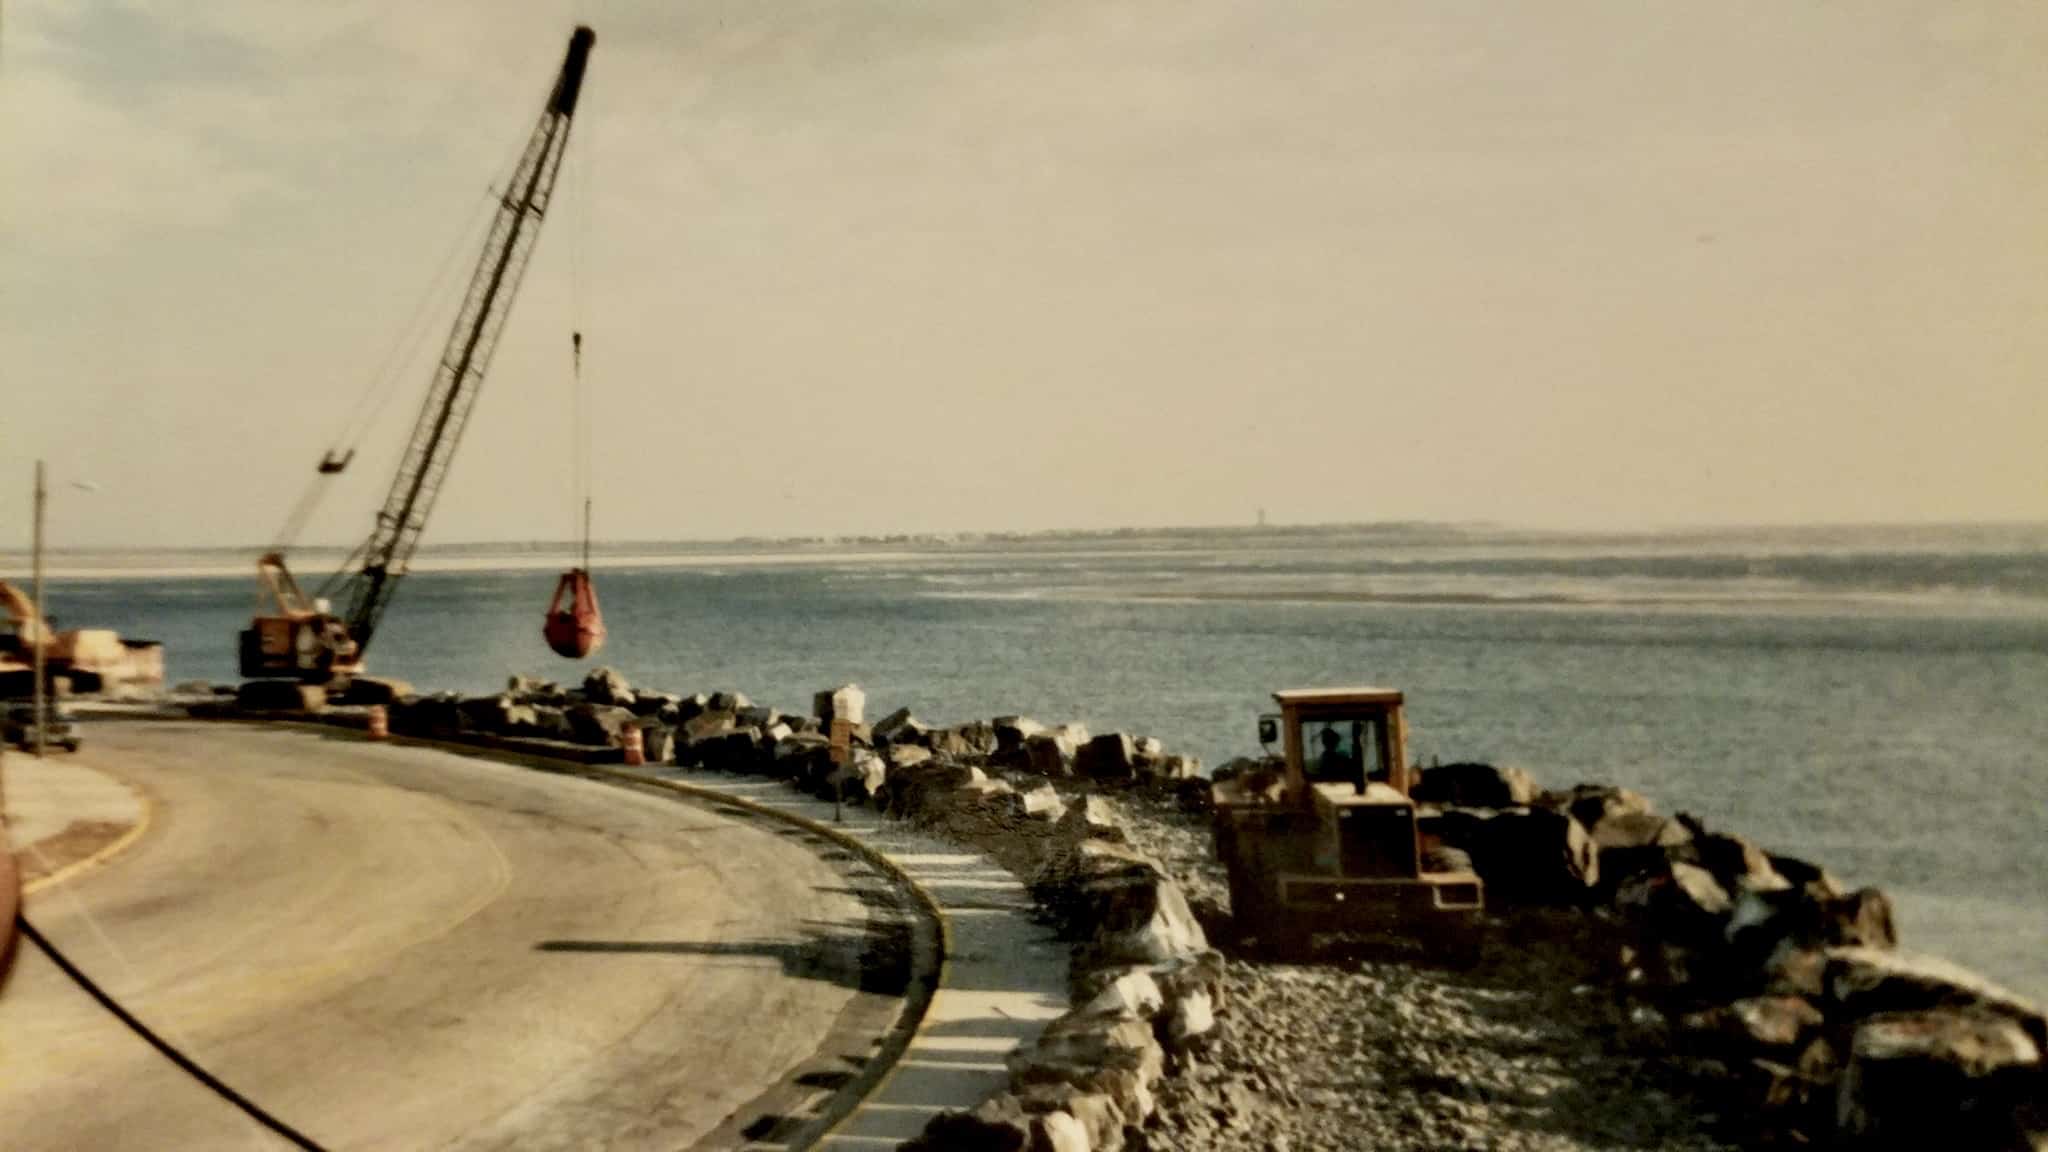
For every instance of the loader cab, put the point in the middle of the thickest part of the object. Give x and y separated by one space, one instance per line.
1342 737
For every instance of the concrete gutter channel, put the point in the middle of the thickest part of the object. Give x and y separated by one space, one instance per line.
979 976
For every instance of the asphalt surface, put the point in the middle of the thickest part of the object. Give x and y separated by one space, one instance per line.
393 947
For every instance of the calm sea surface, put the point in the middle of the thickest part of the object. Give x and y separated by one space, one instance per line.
1873 699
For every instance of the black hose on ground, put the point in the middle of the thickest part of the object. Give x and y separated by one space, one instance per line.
249 1107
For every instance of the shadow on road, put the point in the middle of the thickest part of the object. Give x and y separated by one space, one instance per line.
875 961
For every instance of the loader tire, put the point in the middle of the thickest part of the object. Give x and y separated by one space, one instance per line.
1445 859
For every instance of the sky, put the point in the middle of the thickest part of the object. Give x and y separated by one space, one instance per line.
871 266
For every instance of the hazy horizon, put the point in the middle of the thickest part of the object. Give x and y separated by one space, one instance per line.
1875 534
879 268
1617 532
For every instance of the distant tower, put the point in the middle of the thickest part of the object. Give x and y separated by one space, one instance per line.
1262 517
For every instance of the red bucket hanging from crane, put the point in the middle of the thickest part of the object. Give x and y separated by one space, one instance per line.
574 628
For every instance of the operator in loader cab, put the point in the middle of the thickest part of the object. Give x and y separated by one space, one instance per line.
1334 763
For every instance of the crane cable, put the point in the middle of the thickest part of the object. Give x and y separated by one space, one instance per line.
579 187
405 346
400 356
582 484
405 349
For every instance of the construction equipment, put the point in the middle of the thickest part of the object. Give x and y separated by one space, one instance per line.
1326 838
59 729
574 625
295 636
85 659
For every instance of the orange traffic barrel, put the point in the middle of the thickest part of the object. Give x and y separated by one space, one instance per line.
380 722
636 750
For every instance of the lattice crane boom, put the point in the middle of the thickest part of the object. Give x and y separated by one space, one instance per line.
301 640
471 340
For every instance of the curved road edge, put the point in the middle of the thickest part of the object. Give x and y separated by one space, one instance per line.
928 966
69 817
986 977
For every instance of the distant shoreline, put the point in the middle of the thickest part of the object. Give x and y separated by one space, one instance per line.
1975 569
1886 535
148 568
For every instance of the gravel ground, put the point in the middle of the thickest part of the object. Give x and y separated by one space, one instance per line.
1529 1050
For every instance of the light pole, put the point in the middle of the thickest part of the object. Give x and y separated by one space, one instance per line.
36 591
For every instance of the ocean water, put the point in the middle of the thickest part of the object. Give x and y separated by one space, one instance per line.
1874 699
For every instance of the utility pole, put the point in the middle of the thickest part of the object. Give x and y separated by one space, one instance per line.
36 590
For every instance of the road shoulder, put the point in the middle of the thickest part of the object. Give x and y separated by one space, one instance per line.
67 816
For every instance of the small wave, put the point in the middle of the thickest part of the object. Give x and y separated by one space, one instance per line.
993 594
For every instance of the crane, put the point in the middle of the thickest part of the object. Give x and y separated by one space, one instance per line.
293 635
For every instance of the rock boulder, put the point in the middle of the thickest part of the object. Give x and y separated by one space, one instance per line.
913 789
732 750
1165 773
1527 855
1117 1056
533 689
1100 1118
607 686
1138 917
1010 734
1952 1080
1111 756
1773 1027
1590 804
972 739
1473 785
501 714
1767 923
1737 863
998 1124
1868 981
1683 906
1044 755
864 777
1132 993
1092 817
708 722
657 741
1189 1020
1629 829
906 755
900 727
599 723
1043 803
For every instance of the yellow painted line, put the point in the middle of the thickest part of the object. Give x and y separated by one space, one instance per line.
104 854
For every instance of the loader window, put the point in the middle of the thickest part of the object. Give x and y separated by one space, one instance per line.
1344 750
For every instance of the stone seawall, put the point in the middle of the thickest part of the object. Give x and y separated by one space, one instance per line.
1646 980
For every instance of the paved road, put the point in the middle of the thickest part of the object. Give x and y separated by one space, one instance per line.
401 948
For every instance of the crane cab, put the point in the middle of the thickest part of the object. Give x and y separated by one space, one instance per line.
291 635
1328 839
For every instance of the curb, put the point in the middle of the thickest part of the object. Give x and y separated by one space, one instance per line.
101 855
923 985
